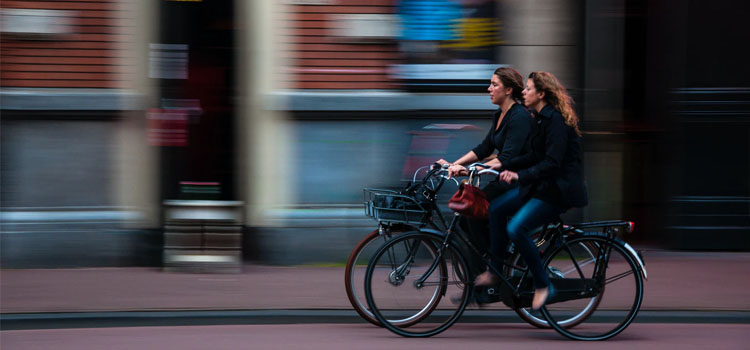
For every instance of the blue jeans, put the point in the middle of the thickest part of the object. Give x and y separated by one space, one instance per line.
527 214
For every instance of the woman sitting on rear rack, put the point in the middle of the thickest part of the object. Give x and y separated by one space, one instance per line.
550 179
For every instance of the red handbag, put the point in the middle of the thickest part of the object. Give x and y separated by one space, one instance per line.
470 201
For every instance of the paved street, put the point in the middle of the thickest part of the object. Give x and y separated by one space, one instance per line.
691 301
677 281
365 336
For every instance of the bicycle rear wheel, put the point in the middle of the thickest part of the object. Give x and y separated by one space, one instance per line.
613 267
585 307
407 275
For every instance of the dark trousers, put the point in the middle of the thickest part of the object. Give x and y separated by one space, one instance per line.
478 230
527 214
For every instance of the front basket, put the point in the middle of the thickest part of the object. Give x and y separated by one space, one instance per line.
390 206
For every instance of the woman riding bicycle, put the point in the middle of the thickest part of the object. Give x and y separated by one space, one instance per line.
550 181
509 132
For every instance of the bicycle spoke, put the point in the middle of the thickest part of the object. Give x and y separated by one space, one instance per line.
411 297
446 283
597 313
408 259
618 276
575 263
580 265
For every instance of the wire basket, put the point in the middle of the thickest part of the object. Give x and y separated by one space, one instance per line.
391 206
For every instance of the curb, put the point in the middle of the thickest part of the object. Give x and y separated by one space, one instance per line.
256 317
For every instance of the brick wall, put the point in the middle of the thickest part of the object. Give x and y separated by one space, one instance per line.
88 54
322 60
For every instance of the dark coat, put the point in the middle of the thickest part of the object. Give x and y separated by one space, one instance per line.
553 169
510 140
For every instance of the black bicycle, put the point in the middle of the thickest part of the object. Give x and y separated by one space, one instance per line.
397 211
411 209
410 275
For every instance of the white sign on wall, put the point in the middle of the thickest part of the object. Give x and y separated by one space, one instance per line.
366 25
36 22
308 2
168 61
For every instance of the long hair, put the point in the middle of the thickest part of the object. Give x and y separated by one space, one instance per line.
511 79
556 95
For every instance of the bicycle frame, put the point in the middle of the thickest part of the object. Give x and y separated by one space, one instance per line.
452 230
555 234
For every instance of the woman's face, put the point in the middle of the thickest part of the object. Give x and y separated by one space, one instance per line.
498 92
531 96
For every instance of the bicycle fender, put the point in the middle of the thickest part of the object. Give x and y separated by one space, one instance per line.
637 259
432 231
627 247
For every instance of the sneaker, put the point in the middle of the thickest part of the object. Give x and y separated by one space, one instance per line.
551 293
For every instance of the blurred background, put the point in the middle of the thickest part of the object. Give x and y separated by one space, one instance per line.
169 133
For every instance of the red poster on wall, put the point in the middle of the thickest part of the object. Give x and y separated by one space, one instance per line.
167 127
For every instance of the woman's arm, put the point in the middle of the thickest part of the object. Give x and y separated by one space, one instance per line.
482 150
521 162
457 167
467 158
555 142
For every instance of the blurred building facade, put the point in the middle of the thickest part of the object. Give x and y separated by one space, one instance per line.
77 173
291 107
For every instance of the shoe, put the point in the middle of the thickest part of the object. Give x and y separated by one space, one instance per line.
473 300
551 293
485 279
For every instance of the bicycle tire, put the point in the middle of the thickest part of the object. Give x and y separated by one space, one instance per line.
539 321
358 303
621 260
451 268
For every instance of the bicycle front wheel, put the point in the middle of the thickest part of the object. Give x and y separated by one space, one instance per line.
406 277
354 277
583 277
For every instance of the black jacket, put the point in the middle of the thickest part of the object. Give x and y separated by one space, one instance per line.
553 170
510 138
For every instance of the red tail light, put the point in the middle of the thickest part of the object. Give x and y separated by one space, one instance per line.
631 226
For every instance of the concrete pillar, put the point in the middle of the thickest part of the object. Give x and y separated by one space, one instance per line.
136 167
541 35
264 136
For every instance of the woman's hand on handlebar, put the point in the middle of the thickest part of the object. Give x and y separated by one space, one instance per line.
494 164
442 162
457 170
508 176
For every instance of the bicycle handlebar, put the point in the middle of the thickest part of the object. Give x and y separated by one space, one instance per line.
472 168
439 171
478 164
487 170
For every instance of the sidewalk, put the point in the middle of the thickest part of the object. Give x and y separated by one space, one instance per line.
678 281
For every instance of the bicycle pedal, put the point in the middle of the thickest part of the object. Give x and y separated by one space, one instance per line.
488 295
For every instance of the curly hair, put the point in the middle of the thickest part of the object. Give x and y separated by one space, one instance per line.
511 79
556 95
